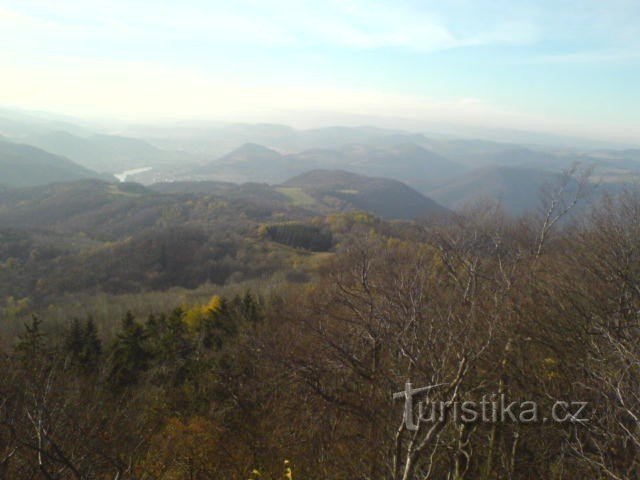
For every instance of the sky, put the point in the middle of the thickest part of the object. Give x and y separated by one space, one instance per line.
563 66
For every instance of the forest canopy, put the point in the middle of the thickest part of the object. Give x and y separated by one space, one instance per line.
302 367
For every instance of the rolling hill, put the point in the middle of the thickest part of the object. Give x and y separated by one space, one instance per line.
248 163
94 236
406 162
106 153
108 211
24 166
381 196
517 188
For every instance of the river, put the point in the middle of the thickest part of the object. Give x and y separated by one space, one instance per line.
123 176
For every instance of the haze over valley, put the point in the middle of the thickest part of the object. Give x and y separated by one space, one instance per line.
455 172
320 240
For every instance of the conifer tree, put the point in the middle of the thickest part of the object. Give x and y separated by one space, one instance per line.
31 343
129 354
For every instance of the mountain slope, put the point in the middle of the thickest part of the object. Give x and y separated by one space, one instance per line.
517 188
381 196
111 153
406 162
250 154
24 165
248 163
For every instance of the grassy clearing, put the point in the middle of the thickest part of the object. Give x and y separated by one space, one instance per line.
297 196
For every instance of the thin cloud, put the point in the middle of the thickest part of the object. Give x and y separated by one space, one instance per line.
147 91
351 24
152 58
596 56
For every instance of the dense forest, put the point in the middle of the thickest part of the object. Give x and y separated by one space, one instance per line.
320 240
194 336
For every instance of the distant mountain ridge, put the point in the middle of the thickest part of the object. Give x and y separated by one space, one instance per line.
24 165
248 163
382 196
406 162
322 191
516 188
112 153
273 153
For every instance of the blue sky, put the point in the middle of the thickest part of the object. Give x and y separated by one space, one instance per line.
567 66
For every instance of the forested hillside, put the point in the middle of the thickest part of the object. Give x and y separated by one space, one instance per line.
319 240
23 165
213 329
295 375
94 236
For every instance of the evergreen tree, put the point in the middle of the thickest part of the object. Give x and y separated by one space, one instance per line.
73 338
172 347
218 325
91 347
82 345
129 354
31 343
250 308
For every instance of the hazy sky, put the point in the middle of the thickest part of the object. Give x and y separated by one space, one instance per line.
564 65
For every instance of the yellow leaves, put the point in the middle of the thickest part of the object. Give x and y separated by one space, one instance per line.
184 449
549 368
262 231
365 218
194 315
343 222
14 307
288 473
214 305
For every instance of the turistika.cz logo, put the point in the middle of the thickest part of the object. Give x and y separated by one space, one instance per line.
494 408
